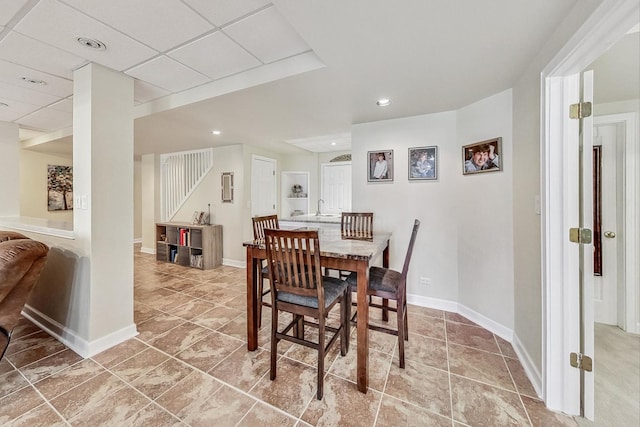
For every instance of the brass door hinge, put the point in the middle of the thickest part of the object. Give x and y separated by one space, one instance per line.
581 361
580 235
580 110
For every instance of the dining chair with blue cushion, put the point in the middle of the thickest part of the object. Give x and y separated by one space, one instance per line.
261 223
298 287
391 284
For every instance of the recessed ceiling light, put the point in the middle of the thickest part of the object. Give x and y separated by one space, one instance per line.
91 43
383 102
216 132
33 81
2 104
333 143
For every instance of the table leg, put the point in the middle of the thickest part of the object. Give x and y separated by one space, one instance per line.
252 301
363 326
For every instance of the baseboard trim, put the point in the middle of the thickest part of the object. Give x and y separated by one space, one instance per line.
234 263
435 303
500 330
150 251
527 363
490 325
137 240
78 345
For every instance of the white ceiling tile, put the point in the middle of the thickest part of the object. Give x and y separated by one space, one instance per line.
143 91
267 35
60 25
17 93
221 12
35 54
11 73
167 74
171 24
215 55
15 109
64 105
8 9
47 119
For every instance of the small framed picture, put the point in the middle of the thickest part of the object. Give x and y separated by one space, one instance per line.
483 156
380 165
423 163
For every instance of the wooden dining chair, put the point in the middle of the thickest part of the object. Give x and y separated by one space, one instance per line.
355 226
298 287
390 284
260 223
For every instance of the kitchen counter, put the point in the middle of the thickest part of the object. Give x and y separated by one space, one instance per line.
312 218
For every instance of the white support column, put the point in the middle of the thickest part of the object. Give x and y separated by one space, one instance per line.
103 212
9 170
150 198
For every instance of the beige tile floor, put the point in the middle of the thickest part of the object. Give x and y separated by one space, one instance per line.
189 366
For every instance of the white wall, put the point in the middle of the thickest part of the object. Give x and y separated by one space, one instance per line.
137 200
33 184
527 171
396 204
229 215
465 242
484 214
9 169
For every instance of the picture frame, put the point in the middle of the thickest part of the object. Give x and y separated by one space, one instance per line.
380 167
195 218
423 163
483 156
227 187
59 188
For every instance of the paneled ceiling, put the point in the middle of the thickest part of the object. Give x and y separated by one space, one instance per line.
281 74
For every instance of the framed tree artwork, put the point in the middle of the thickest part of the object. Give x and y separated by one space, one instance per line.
59 188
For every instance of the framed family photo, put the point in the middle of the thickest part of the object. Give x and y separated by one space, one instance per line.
380 166
483 156
423 163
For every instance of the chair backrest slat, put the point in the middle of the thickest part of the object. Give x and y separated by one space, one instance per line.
294 262
407 258
260 223
357 225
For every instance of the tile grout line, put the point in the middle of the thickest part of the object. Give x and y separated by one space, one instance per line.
446 340
46 401
513 381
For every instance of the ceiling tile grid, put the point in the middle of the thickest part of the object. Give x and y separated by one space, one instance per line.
222 12
216 56
59 25
160 24
267 35
168 46
168 74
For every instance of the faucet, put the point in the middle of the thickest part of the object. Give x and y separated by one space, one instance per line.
318 211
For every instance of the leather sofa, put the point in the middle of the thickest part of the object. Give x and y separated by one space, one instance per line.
21 262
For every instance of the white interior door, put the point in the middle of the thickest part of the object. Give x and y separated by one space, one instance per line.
336 187
605 286
263 186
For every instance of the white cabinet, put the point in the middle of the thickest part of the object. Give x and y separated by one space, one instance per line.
294 193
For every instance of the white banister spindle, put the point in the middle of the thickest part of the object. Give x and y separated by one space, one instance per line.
180 174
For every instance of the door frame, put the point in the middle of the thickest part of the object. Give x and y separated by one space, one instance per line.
631 210
560 329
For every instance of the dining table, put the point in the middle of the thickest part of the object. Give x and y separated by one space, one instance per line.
336 253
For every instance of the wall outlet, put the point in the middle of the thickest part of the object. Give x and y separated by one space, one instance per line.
426 281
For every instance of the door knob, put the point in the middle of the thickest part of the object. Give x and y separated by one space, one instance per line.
609 234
